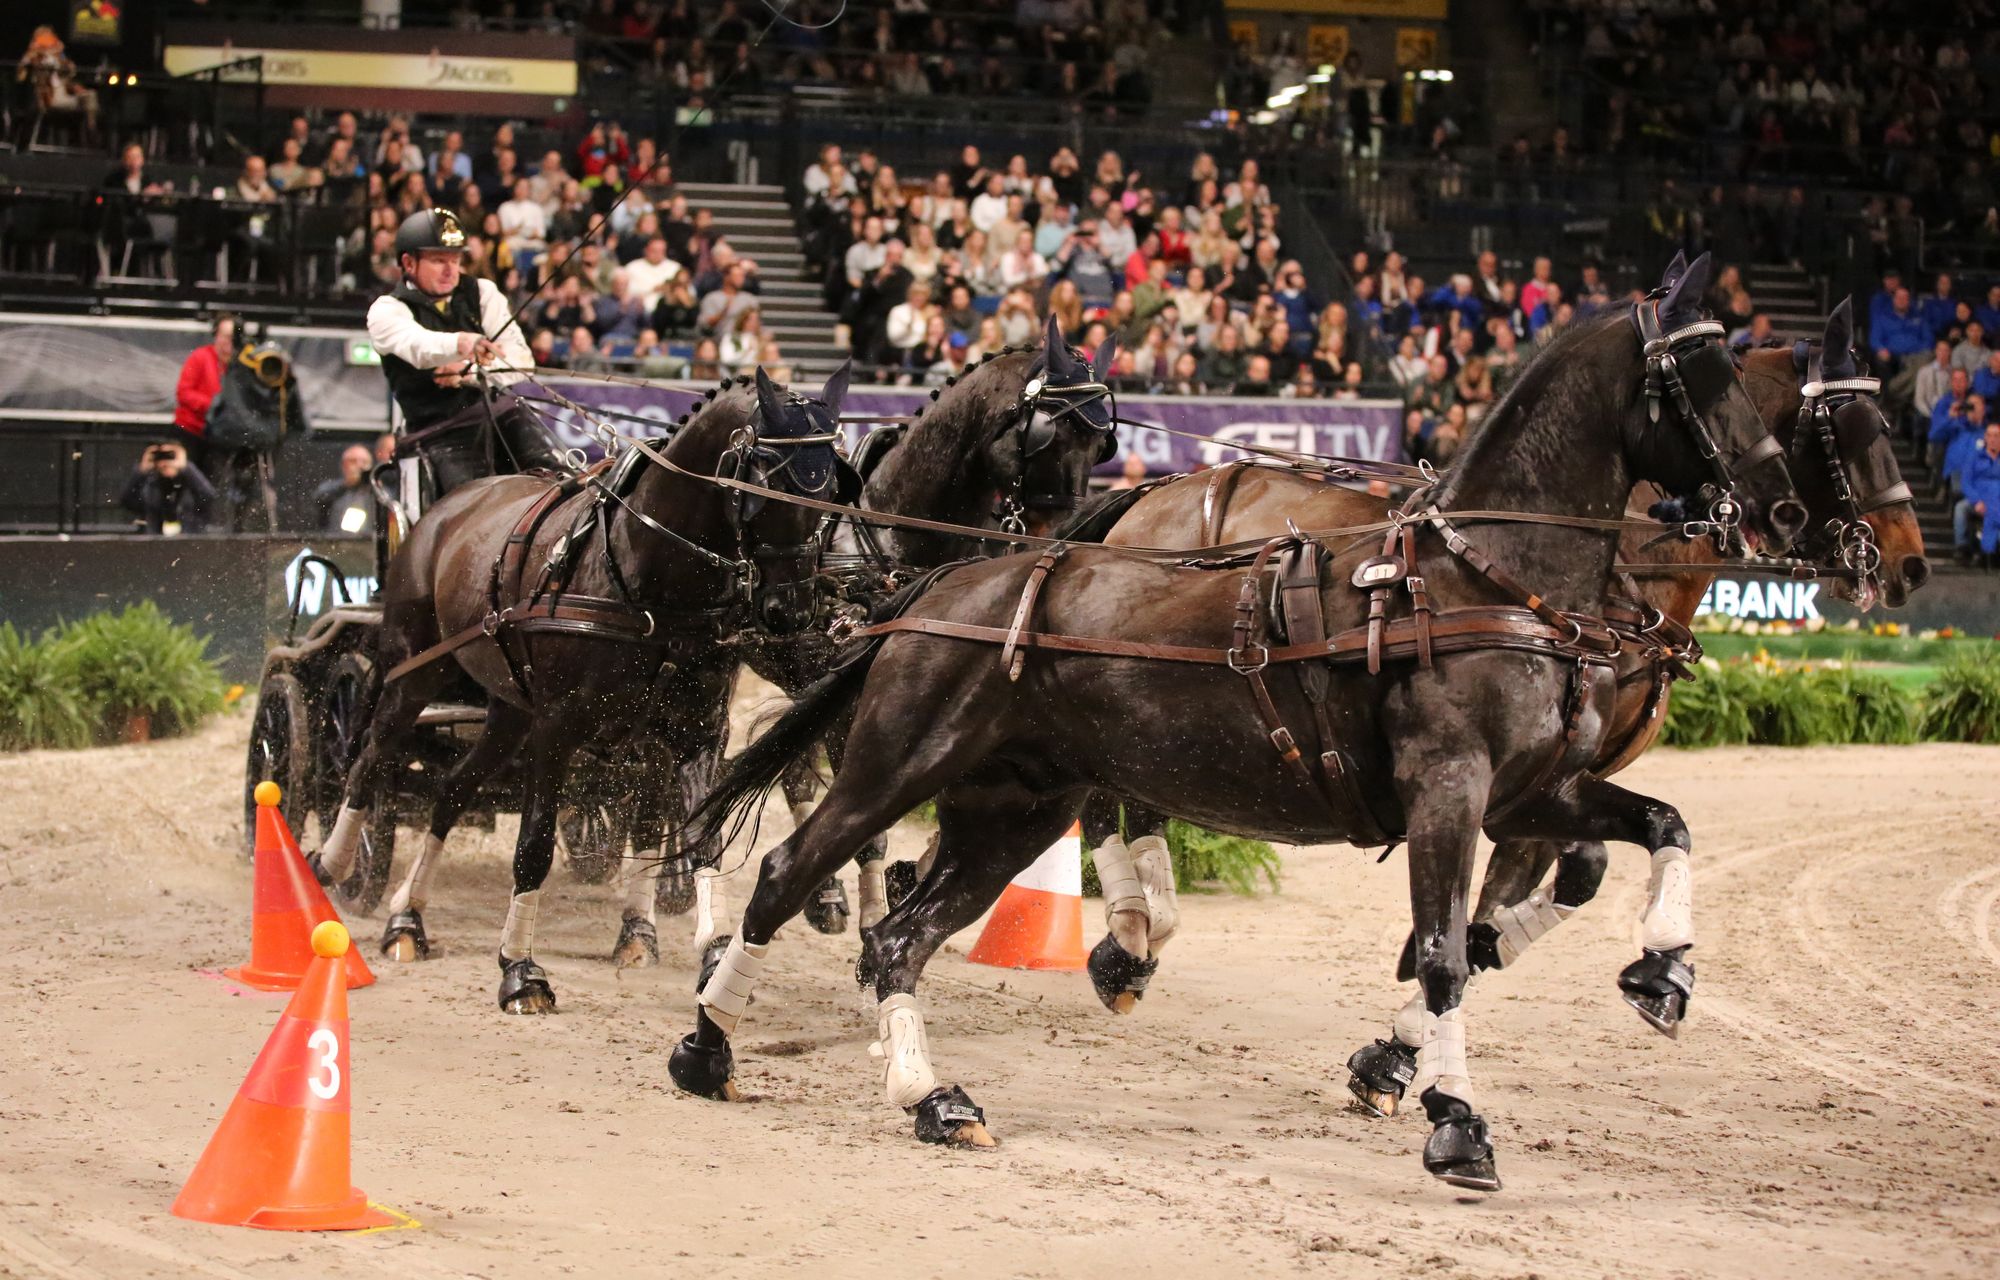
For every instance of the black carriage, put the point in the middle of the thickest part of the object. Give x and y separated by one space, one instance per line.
314 700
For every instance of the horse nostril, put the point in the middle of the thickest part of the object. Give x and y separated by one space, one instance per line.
1916 571
1788 517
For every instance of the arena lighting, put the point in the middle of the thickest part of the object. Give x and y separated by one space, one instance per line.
1264 117
1319 77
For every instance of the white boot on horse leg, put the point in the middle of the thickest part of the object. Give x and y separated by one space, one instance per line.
1517 927
1123 963
874 892
524 988
943 1115
1458 1151
1379 1074
1155 864
638 944
403 937
1660 983
726 991
335 860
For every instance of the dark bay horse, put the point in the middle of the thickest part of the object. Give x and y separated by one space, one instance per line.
1857 482
602 612
1009 442
1125 674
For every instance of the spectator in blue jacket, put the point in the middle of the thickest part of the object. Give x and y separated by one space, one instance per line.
1940 309
1987 313
1982 499
1884 300
1948 421
1986 382
1460 298
1900 333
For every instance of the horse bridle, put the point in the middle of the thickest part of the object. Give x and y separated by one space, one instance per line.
1699 347
1036 414
1853 542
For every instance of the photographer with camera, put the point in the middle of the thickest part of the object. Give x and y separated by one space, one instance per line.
256 410
166 494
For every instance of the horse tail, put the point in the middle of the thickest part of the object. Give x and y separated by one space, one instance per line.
825 706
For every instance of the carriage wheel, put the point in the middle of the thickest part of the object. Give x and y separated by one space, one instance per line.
345 709
279 752
591 840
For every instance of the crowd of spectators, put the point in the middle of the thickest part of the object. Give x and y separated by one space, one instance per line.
1877 92
1940 355
1189 274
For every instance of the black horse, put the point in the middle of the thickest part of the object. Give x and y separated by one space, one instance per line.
1121 673
1007 445
603 611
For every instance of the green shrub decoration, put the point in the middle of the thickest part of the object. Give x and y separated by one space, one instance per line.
139 663
39 702
1712 710
1963 703
1203 858
1761 702
87 680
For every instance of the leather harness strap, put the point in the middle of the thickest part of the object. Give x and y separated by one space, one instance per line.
1010 656
1215 500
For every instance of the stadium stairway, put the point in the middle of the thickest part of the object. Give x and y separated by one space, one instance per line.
758 222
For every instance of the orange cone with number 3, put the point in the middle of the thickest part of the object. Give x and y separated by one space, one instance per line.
286 905
280 1159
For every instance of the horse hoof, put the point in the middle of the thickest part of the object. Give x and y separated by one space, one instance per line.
1379 1073
1482 947
947 1117
1118 976
1458 1151
524 988
1658 986
319 871
638 945
703 1072
828 912
403 938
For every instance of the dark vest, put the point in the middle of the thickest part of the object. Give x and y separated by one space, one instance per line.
421 399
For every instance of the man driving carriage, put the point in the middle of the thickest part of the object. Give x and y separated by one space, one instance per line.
451 349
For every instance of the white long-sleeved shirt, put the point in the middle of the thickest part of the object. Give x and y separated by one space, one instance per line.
395 332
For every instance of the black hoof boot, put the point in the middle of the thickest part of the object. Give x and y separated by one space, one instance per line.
711 956
674 894
524 988
899 881
1482 946
947 1117
1458 1151
319 871
1659 985
403 938
638 944
827 912
1119 976
702 1071
1378 1074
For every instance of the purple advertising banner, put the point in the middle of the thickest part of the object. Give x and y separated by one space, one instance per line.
1369 429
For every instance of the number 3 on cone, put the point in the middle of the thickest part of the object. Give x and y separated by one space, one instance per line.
328 1046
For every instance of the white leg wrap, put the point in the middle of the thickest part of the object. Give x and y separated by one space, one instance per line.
905 1052
708 908
1441 1058
801 810
1669 919
1124 899
727 994
874 894
415 890
1409 1021
1156 877
1526 921
517 937
336 852
639 876
930 856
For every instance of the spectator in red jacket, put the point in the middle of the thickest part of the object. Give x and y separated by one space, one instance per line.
200 380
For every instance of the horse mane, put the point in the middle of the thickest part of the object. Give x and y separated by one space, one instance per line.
1546 382
933 455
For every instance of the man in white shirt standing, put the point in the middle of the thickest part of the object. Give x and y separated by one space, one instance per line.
647 278
450 348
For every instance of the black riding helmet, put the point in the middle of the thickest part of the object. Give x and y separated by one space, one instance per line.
427 230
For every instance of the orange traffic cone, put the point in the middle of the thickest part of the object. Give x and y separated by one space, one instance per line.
288 903
1039 921
279 1159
